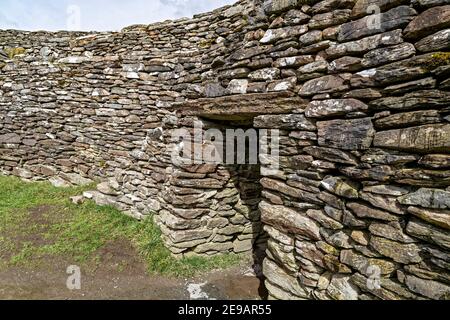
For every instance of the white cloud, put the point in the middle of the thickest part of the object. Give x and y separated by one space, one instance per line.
97 15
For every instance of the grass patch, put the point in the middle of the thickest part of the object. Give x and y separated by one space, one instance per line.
38 221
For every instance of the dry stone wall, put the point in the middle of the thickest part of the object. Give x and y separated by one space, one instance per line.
360 207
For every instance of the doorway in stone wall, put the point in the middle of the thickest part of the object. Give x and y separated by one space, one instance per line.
236 114
238 143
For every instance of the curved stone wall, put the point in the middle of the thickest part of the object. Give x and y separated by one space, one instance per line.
360 207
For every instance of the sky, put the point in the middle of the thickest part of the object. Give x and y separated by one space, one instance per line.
96 15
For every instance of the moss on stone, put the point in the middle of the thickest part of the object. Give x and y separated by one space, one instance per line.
206 43
102 163
438 59
12 52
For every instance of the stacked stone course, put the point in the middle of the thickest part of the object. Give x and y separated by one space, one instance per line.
360 207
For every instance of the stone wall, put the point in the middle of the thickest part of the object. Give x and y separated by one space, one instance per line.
360 208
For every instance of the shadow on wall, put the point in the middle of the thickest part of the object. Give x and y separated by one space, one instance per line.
247 183
246 180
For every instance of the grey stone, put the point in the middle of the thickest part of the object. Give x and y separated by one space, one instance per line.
423 177
99 198
23 173
213 247
341 288
440 218
327 19
427 138
214 90
282 85
366 44
276 6
421 84
435 161
390 54
277 275
435 42
331 154
427 288
329 5
401 253
76 179
289 220
427 198
106 189
428 3
265 74
334 107
188 235
392 19
311 37
340 187
324 220
412 118
365 7
77 200
292 121
388 289
384 202
177 223
338 239
428 21
414 100
317 66
279 236
345 64
364 211
392 231
10 138
404 70
324 84
238 86
388 190
273 35
73 60
286 257
421 230
295 61
364 265
367 93
354 134
59 182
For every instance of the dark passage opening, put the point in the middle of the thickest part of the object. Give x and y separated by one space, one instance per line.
246 179
239 111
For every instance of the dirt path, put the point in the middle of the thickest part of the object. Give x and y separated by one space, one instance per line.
120 274
116 270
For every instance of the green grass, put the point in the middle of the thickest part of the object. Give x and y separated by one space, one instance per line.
79 231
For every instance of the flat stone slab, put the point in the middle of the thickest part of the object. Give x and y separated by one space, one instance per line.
237 107
429 138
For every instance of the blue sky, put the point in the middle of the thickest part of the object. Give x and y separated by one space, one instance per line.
96 15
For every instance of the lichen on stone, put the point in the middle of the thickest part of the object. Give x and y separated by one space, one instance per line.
439 59
12 52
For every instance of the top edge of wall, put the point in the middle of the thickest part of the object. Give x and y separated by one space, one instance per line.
226 11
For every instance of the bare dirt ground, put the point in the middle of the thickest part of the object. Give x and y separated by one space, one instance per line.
33 215
120 275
